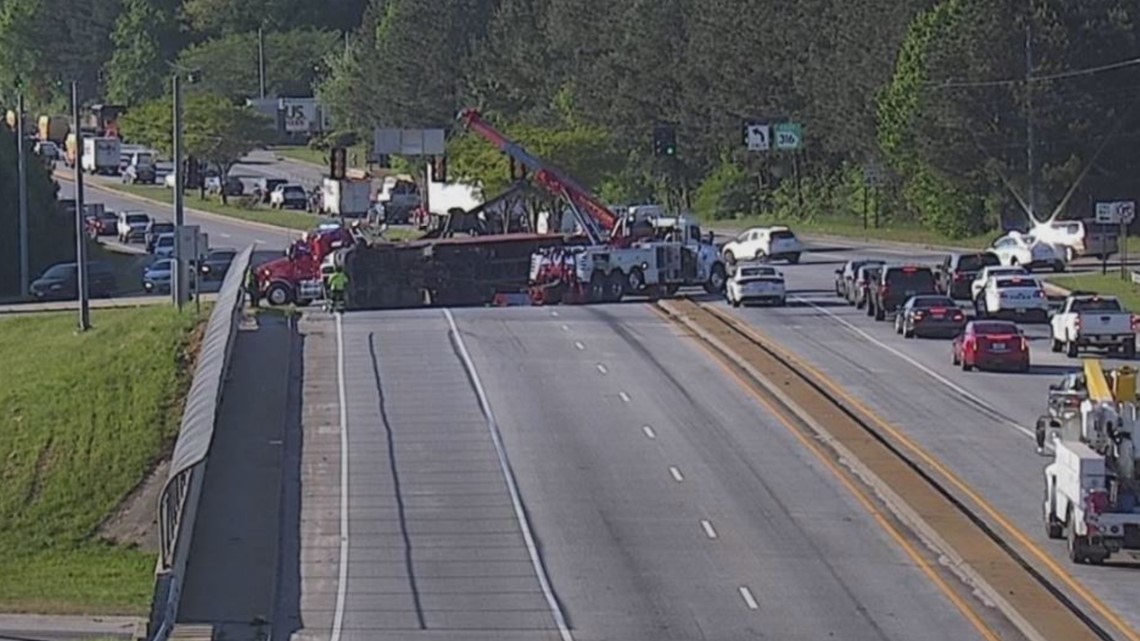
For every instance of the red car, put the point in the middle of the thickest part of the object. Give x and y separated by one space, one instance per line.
991 345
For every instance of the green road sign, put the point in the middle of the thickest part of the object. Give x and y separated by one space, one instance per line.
788 135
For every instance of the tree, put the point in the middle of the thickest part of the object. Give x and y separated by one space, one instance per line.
293 62
142 37
51 234
214 130
227 17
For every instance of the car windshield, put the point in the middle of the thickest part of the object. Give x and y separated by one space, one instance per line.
163 227
226 255
1005 270
293 190
910 278
1096 305
975 262
59 271
134 219
992 328
783 235
163 241
160 266
1016 283
871 273
930 302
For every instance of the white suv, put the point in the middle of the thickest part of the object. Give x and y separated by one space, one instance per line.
1015 296
988 272
763 243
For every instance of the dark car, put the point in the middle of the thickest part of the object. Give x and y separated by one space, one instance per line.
845 278
866 278
994 345
154 229
897 284
265 186
104 223
217 263
60 282
957 271
930 316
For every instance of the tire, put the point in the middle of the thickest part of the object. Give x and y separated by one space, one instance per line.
966 366
898 325
870 308
1078 551
1054 529
279 294
793 259
1056 345
615 287
598 288
1058 267
635 281
860 303
718 279
1071 349
730 257
735 303
783 302
880 314
908 333
954 358
1130 350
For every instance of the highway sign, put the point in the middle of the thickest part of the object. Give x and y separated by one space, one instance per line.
1120 212
872 174
408 142
757 136
299 113
789 135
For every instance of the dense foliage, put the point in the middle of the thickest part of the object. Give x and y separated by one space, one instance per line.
934 91
51 234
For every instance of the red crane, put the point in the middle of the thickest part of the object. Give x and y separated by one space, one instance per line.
591 213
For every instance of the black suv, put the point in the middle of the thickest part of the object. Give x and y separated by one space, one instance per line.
60 282
896 285
217 263
957 271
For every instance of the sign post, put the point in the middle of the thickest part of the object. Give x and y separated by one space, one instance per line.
1120 213
757 136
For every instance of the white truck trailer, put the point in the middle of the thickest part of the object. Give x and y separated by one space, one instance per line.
101 155
346 198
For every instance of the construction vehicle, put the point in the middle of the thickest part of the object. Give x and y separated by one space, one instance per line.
624 255
1092 495
296 276
54 128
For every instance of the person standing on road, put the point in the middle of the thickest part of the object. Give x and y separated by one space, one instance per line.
251 287
338 282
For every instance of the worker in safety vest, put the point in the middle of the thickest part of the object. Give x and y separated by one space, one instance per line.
337 283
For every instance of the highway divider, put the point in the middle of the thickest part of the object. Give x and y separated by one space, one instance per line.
178 503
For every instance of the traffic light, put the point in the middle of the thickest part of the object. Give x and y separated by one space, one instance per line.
664 141
193 173
338 163
439 169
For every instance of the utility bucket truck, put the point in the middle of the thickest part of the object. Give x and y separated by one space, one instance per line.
636 252
1092 489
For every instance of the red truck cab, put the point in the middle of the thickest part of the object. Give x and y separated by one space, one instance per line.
281 281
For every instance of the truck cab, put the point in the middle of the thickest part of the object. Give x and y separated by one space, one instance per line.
291 278
1092 321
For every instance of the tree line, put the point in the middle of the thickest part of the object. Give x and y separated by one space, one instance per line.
958 102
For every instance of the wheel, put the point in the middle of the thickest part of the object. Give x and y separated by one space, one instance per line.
735 303
838 291
793 259
966 366
880 313
1078 548
908 333
1130 350
717 279
1056 345
760 255
781 302
870 308
598 288
1058 266
730 257
615 287
954 357
898 325
279 294
860 303
1071 349
634 281
1054 529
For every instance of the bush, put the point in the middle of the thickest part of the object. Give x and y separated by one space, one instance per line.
725 193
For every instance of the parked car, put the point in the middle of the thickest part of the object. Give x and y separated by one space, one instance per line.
61 281
217 263
131 226
896 285
266 186
958 271
289 196
154 229
991 344
233 186
930 316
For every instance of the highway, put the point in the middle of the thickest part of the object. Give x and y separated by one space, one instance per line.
625 487
978 424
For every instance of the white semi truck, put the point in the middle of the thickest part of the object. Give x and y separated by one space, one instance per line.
346 198
101 155
1092 489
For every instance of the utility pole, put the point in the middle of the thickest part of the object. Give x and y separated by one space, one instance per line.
80 239
22 174
1030 138
261 61
178 281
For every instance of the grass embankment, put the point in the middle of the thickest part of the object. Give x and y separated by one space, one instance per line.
84 418
853 228
1108 284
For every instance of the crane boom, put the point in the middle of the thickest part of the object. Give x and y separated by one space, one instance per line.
591 212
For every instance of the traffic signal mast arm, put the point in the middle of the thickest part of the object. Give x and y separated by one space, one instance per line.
591 212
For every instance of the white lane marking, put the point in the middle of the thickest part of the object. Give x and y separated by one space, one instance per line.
624 396
924 369
565 328
748 598
602 369
709 531
579 345
224 235
649 431
258 241
554 314
342 397
508 474
676 473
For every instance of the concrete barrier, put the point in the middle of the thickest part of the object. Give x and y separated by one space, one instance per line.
178 503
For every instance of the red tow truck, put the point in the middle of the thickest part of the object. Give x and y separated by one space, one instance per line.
296 276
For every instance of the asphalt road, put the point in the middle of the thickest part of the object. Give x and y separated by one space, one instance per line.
663 501
978 424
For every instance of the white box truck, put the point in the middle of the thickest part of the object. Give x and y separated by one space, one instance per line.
101 155
347 198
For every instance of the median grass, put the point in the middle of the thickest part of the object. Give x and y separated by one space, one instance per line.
84 419
848 227
1109 284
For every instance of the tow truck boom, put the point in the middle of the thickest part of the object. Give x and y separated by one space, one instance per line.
591 213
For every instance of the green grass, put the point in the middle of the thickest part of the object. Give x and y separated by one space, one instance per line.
1109 284
84 418
321 156
852 228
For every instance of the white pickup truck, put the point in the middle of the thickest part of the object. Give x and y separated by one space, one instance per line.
1094 322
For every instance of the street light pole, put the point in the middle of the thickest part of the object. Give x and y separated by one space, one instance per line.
22 174
261 61
80 241
178 279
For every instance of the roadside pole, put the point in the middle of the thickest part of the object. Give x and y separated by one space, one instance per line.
22 172
80 241
178 278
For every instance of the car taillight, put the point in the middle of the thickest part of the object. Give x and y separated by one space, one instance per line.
1077 323
1135 322
958 316
959 276
919 315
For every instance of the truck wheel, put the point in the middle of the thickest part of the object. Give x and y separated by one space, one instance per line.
1054 528
870 308
793 258
615 287
1056 345
597 288
1130 349
717 279
1071 349
279 294
634 281
880 313
1059 267
1078 547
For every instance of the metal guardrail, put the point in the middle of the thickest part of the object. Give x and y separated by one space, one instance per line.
178 503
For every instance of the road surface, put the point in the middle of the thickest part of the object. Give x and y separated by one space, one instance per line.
660 500
978 424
